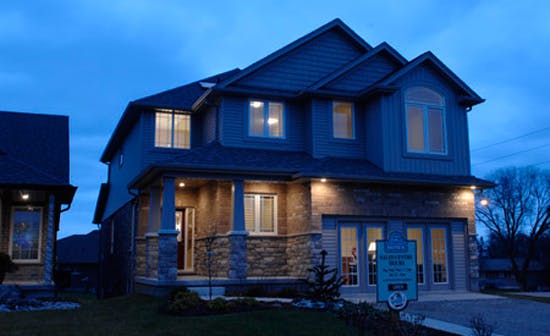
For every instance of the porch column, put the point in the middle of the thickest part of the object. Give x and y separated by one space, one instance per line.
238 234
151 237
167 235
49 262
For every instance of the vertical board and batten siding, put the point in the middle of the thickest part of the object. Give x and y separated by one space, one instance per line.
330 241
374 137
306 65
209 125
234 129
120 176
365 74
459 255
457 160
323 143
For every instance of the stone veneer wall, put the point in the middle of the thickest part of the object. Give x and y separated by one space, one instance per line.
141 257
267 256
397 201
220 258
303 251
152 255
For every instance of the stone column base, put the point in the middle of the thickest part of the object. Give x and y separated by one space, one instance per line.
151 255
237 254
168 255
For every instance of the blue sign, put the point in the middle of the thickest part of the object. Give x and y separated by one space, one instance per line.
396 281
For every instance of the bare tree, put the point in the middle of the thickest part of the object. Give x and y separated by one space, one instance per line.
518 205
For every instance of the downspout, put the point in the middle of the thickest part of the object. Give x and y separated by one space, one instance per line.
132 251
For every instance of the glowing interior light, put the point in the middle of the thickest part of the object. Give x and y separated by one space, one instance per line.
484 202
256 104
272 121
473 187
323 180
25 197
181 184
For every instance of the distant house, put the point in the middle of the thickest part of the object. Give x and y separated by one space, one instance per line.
77 261
496 273
34 190
328 143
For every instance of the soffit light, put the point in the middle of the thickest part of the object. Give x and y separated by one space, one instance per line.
323 180
181 184
256 104
25 196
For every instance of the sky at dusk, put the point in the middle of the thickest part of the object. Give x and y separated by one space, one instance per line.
88 59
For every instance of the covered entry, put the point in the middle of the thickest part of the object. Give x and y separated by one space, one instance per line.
185 225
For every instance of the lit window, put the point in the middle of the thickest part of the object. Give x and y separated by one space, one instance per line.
260 213
172 130
348 255
425 115
266 119
25 235
439 256
342 120
416 234
373 234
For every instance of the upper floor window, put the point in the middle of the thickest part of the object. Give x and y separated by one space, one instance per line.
260 213
425 111
266 119
342 120
172 130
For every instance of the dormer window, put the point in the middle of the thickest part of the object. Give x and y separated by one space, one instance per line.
266 119
425 120
342 120
172 130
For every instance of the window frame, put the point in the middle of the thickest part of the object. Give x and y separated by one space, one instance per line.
447 257
353 121
266 103
425 108
173 114
358 253
38 260
257 222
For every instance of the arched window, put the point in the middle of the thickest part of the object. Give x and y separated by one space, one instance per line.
425 118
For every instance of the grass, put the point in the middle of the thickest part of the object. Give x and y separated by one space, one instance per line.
515 295
139 315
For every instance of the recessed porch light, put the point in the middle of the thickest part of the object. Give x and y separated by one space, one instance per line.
323 180
473 187
181 184
25 196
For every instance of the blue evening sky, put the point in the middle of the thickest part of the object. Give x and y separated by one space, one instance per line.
88 59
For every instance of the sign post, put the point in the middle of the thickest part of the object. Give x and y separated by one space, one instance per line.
396 282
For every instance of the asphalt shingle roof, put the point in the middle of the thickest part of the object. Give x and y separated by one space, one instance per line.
78 249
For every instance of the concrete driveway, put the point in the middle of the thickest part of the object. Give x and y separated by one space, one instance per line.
511 316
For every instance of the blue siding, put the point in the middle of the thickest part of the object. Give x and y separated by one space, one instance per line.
457 162
323 143
374 137
305 65
209 125
235 126
364 75
120 176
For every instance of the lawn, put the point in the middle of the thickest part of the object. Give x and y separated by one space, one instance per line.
139 315
516 295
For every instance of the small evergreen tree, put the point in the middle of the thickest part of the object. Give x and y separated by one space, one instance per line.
325 285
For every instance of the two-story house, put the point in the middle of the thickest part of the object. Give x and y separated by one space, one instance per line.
34 191
328 143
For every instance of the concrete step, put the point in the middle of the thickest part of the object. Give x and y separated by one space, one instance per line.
204 291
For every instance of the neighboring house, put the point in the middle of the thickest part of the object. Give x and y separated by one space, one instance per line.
328 143
34 190
496 273
77 261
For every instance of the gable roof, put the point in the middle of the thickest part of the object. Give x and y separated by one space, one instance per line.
179 98
78 249
471 98
334 24
382 47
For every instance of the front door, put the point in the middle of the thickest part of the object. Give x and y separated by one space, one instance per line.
185 224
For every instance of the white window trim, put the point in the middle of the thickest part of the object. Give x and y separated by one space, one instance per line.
257 225
40 228
353 136
172 129
266 118
446 257
426 134
358 256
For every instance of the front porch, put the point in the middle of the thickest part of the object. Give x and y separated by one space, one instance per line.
187 227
